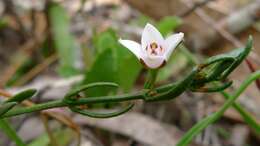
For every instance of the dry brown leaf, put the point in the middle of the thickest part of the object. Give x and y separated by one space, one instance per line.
140 127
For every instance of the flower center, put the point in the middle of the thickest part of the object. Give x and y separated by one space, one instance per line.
154 49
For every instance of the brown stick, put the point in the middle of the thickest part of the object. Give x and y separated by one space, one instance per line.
35 71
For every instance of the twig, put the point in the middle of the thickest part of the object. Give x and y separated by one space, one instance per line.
252 68
11 70
35 71
246 17
26 49
11 10
53 141
212 23
194 7
218 26
139 127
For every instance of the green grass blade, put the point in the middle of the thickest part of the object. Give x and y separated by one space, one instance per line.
249 119
9 131
195 130
63 39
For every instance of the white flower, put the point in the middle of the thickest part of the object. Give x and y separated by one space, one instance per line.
154 50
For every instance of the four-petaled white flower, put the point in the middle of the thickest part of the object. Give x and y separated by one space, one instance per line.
153 51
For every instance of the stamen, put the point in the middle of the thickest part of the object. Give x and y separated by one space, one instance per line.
153 45
153 49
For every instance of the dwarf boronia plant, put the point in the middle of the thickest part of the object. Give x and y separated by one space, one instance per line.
153 53
202 78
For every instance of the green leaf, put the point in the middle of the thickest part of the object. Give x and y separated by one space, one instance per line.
176 89
241 55
9 131
113 63
218 67
128 66
105 40
23 95
128 71
62 39
168 24
103 70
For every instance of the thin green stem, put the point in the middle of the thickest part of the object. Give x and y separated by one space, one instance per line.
81 101
35 108
151 78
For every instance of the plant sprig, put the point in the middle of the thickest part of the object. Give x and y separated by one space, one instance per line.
214 69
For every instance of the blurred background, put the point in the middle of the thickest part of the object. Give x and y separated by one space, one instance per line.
54 45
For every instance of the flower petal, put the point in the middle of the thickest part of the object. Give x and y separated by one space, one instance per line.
172 42
153 62
133 46
151 34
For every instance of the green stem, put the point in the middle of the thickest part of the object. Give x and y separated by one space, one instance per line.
81 101
35 108
151 78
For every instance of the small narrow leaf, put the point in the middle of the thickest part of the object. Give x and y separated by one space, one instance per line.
5 107
102 115
21 96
